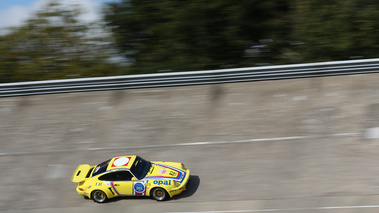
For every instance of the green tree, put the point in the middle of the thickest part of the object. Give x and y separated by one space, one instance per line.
336 30
179 35
53 44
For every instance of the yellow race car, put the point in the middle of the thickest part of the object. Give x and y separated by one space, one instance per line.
130 176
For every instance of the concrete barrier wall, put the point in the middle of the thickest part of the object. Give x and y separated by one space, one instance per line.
224 112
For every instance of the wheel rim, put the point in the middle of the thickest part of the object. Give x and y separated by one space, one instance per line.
99 196
159 194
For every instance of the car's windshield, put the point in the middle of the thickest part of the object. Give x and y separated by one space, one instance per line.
140 167
102 167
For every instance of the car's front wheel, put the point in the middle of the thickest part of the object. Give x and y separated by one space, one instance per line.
99 196
159 194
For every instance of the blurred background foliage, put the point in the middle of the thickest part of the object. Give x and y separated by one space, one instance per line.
148 36
54 44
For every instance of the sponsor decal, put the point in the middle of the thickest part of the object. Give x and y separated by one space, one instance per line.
162 171
139 188
97 169
176 174
123 161
162 182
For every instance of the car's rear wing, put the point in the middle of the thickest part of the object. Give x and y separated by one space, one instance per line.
81 173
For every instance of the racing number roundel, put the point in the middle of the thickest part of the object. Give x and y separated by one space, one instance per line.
121 162
139 188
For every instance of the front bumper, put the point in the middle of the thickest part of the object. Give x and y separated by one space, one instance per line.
182 187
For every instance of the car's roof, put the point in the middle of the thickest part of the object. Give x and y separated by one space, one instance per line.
121 162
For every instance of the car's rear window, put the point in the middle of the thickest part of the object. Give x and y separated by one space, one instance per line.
89 173
102 167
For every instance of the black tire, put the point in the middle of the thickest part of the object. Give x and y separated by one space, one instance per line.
159 194
99 196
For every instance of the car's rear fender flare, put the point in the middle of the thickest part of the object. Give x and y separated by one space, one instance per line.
108 191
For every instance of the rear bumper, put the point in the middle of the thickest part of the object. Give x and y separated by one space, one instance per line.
81 192
182 187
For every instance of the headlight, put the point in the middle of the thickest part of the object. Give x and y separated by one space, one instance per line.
175 183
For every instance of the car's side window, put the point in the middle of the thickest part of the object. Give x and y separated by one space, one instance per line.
108 177
123 176
117 176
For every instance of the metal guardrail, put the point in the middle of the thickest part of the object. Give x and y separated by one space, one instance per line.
191 78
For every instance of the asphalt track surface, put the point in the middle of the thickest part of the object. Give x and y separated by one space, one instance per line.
233 177
318 169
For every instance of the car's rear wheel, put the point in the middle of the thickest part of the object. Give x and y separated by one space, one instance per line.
159 194
99 196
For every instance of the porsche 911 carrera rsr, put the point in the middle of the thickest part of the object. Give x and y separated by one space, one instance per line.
130 176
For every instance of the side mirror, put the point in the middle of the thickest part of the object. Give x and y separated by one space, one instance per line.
134 179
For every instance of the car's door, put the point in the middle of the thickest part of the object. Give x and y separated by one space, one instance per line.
120 182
